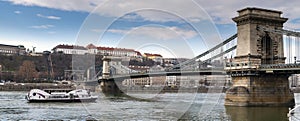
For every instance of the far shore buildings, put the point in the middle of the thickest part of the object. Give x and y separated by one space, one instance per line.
92 49
154 57
70 49
12 49
120 52
179 81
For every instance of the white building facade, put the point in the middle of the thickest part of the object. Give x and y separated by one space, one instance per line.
70 49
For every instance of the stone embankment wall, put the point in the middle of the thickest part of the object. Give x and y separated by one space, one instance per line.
29 86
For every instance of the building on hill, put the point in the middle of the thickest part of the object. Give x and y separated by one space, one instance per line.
139 56
117 51
36 54
92 49
12 49
70 49
170 62
155 57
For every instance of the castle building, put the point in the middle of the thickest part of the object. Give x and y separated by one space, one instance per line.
12 49
70 49
122 52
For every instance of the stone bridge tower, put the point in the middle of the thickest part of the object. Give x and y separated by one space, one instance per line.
108 85
255 47
262 47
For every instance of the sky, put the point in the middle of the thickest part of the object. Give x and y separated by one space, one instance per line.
173 28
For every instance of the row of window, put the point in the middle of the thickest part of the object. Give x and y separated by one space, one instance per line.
72 51
9 51
116 53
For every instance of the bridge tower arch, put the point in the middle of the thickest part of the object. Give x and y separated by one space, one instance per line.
262 46
255 47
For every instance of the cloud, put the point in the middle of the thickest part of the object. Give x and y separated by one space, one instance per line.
48 17
75 5
17 12
220 11
42 26
154 10
116 8
159 33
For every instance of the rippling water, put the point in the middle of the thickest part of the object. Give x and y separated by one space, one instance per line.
169 106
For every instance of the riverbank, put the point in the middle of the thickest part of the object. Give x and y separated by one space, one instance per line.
167 89
29 86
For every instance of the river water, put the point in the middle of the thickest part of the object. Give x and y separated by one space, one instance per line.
168 106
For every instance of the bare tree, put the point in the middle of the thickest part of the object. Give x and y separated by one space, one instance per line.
27 71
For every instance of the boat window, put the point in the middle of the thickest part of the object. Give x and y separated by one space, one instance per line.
34 94
58 96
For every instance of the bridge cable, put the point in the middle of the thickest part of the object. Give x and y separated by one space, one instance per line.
298 47
294 49
220 54
289 48
208 51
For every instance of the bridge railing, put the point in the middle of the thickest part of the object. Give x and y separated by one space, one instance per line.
125 70
267 66
240 66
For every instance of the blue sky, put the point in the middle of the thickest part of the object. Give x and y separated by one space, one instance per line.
170 27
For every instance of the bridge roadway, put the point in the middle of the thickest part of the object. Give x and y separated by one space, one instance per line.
240 69
263 69
218 71
281 68
270 68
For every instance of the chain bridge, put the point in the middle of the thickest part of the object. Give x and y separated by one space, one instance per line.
265 55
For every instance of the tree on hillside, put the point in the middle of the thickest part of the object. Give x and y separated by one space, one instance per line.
27 71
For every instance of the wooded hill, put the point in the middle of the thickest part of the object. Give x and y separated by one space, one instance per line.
12 66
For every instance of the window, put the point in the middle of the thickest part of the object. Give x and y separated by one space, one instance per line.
267 49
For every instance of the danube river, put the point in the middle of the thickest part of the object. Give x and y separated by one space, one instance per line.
168 106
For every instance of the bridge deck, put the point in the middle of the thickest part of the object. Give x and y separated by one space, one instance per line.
171 73
273 68
270 68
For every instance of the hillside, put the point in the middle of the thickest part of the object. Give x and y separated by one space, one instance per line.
60 62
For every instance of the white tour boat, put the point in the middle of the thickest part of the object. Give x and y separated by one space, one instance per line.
60 95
